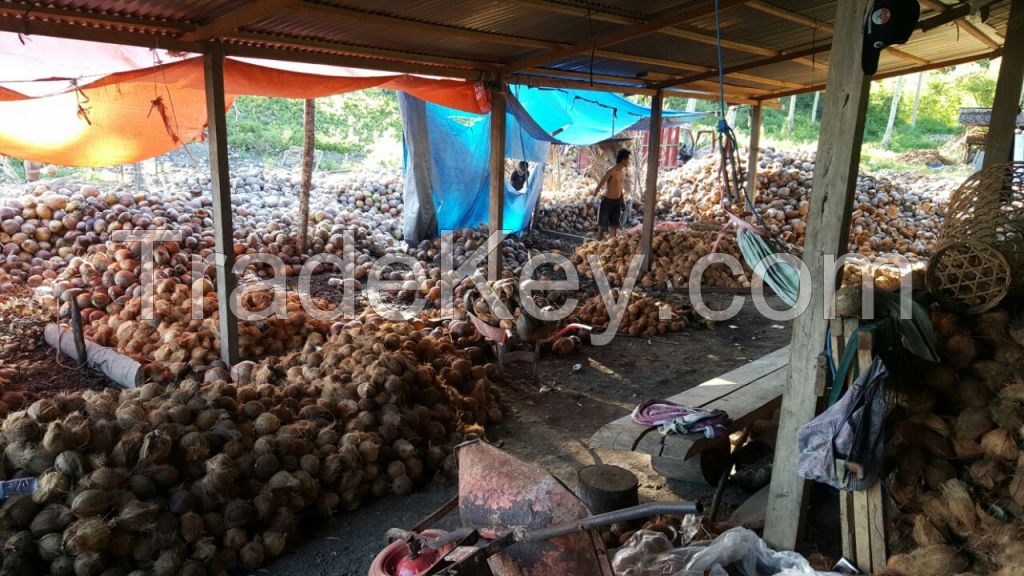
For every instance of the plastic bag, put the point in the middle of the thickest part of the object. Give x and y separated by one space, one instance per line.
740 550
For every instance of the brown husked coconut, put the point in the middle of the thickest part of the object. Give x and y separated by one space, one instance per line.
960 508
191 527
29 457
52 486
20 427
89 564
52 519
17 512
925 533
937 560
168 563
252 554
87 535
63 566
972 423
50 547
137 516
70 464
44 411
1000 443
90 503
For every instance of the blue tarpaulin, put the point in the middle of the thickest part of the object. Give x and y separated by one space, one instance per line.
447 152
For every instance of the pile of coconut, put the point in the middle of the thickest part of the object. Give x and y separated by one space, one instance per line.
673 256
958 464
219 476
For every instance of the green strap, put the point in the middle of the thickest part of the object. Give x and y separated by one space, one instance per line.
847 361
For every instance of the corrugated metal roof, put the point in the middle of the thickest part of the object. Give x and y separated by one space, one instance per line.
473 37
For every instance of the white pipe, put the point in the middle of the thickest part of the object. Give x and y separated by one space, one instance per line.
121 369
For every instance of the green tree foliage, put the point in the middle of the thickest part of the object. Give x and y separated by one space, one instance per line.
347 123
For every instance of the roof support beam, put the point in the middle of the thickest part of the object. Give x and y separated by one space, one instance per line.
705 94
823 26
220 185
783 57
828 228
235 19
661 21
932 66
967 25
1006 105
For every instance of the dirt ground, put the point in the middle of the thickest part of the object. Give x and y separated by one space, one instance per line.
548 421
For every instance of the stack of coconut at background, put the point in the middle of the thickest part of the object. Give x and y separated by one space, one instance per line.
889 216
205 478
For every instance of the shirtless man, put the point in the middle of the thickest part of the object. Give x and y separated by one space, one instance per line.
611 203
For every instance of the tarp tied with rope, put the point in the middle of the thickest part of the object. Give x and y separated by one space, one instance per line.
447 184
76 103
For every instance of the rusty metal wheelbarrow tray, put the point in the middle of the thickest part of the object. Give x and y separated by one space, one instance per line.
498 489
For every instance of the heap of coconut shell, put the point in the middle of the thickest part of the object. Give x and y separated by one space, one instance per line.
957 459
673 255
890 215
207 478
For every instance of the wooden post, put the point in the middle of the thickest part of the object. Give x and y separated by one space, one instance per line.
894 107
1006 105
917 100
691 104
814 107
495 258
792 114
755 146
220 184
651 190
828 225
308 153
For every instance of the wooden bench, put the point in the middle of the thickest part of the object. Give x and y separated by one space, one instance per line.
748 393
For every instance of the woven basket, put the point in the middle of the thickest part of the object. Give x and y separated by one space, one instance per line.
980 256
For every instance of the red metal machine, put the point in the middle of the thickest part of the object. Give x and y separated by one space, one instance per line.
517 520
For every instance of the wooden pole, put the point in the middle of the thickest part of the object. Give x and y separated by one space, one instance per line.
691 104
651 190
917 100
814 108
495 258
755 146
792 115
828 225
1006 105
213 68
308 153
894 107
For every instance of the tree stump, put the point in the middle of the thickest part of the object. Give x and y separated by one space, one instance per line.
605 488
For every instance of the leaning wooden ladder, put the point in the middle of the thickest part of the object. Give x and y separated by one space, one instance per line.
861 513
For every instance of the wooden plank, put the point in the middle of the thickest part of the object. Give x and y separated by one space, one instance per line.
876 527
220 183
755 146
664 19
861 534
784 56
835 176
495 258
1006 106
234 19
651 189
623 433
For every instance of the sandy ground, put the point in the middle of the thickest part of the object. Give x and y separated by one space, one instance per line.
548 420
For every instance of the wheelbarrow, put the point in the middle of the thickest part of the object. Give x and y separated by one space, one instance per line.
517 520
524 344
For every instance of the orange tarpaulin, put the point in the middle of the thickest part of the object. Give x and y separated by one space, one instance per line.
133 115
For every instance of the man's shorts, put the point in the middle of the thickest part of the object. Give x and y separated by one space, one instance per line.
610 212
